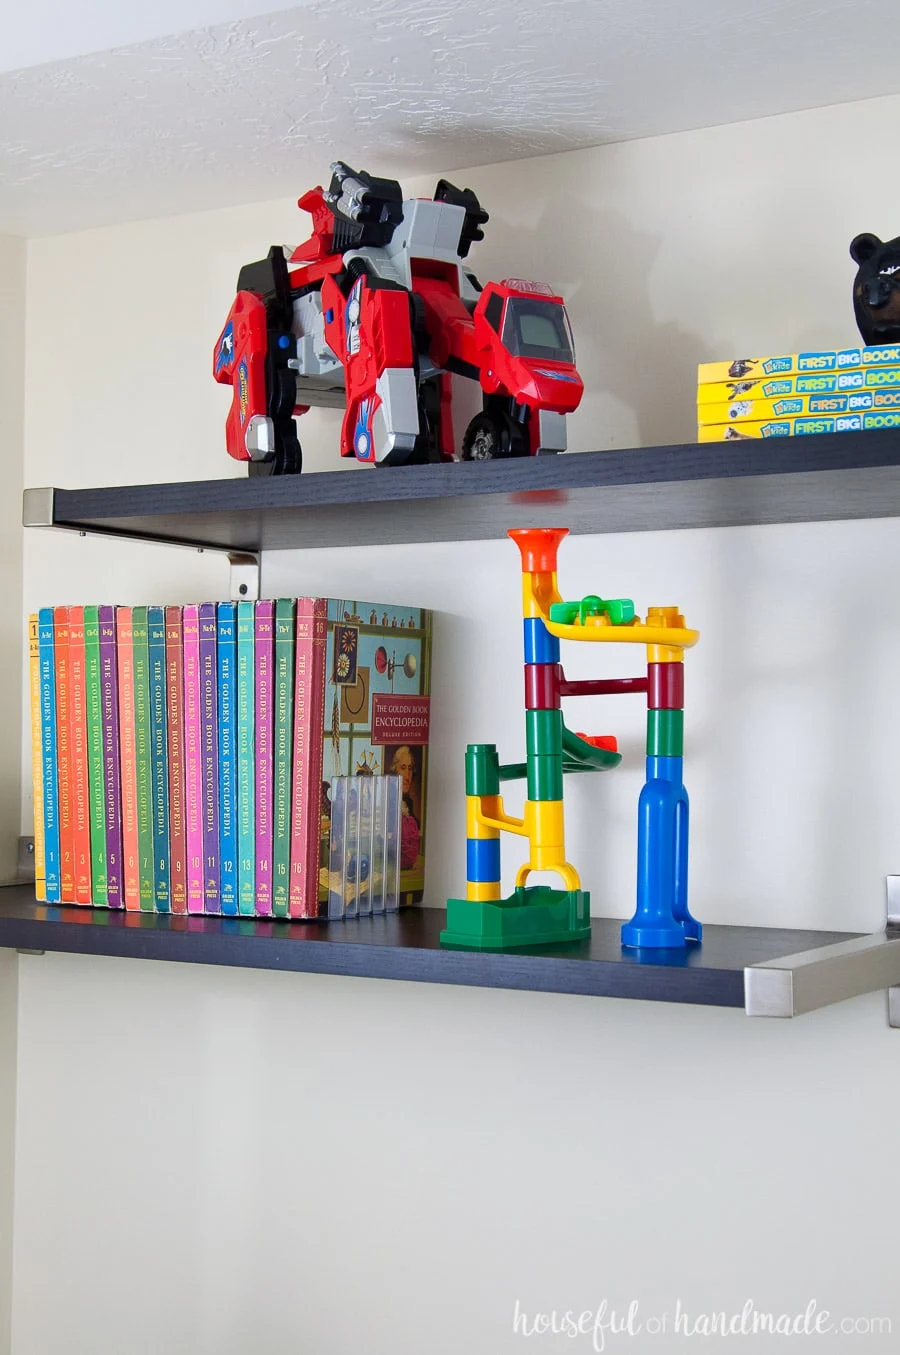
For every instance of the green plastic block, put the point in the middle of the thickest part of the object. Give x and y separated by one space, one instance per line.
665 733
536 916
482 769
619 610
545 777
543 732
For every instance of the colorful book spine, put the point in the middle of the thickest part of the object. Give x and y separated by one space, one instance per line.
64 755
283 726
81 822
37 770
131 881
193 760
112 779
175 740
816 383
49 761
264 759
209 719
742 410
246 758
159 761
308 713
820 360
96 782
143 758
228 831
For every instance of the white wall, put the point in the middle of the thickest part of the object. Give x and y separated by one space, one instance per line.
317 1165
262 1164
12 382
12 626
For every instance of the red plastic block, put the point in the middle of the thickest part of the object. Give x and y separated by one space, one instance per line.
607 741
665 686
602 686
542 686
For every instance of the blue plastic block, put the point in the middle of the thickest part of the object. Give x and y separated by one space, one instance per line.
665 769
482 859
540 645
661 920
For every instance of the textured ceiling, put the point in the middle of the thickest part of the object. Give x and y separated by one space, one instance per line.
240 111
53 30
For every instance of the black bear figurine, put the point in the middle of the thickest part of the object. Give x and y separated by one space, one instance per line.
876 288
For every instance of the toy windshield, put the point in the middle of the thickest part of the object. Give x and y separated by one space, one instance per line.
537 329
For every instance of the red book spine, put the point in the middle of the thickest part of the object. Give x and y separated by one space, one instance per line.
300 808
79 756
64 756
175 727
128 755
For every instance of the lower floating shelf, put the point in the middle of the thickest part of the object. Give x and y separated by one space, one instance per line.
406 946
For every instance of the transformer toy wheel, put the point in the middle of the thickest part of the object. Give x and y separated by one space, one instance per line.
287 459
490 436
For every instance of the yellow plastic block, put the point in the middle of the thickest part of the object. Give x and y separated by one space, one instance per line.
475 825
545 824
491 814
638 633
483 891
566 872
539 591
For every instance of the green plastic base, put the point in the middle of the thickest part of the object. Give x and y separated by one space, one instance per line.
538 916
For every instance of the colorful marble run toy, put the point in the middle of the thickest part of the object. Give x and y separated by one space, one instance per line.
539 915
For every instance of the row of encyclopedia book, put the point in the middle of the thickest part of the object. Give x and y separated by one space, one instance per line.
183 756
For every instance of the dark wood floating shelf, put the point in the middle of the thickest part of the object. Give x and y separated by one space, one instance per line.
802 479
406 946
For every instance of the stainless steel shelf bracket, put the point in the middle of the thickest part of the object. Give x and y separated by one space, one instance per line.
38 510
803 982
893 918
244 576
37 507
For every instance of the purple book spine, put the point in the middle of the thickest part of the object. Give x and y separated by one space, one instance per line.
109 695
265 634
209 735
193 761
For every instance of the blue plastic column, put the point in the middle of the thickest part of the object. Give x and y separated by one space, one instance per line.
662 920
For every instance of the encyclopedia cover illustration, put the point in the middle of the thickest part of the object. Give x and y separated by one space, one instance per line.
368 676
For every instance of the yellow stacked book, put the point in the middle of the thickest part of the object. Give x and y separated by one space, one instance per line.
832 391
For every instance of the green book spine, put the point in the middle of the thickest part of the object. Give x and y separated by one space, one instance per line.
96 777
246 755
283 711
143 757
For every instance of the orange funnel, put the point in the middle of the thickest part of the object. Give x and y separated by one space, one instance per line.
538 547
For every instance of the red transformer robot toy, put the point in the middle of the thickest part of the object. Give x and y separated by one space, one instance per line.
372 315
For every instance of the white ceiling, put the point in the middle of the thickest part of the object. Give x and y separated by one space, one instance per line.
185 116
38 31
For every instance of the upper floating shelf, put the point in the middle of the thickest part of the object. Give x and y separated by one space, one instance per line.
802 479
